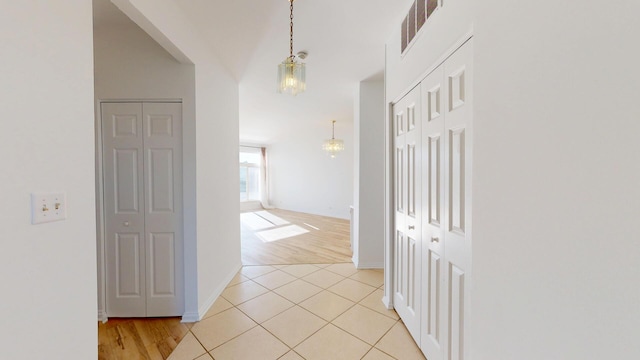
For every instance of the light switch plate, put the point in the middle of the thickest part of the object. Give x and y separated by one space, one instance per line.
48 207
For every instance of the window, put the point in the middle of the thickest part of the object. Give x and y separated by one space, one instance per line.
250 159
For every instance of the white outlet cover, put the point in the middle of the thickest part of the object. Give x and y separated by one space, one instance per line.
48 207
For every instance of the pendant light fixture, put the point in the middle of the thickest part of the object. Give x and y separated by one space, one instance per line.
333 146
291 73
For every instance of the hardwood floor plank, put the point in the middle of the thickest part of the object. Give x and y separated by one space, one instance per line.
133 344
327 240
139 338
154 353
177 329
165 347
152 331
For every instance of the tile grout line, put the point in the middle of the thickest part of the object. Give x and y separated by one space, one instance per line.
296 277
304 309
199 342
382 337
260 324
359 338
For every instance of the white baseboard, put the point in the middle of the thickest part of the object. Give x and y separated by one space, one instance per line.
387 302
189 317
102 316
374 265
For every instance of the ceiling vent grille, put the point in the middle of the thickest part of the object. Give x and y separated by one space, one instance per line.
419 13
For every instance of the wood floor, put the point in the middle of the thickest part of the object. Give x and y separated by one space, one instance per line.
325 240
277 237
147 338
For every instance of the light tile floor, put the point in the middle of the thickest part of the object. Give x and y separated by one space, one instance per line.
300 312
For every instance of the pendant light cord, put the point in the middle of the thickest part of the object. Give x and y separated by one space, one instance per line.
333 131
291 28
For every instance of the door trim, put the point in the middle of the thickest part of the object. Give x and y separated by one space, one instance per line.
389 218
100 220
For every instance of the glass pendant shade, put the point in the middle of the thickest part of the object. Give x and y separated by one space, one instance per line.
333 147
291 77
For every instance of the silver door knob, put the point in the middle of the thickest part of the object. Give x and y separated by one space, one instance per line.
126 224
435 240
411 227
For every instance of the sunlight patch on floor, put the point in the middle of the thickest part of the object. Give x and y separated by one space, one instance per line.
272 218
311 226
254 221
281 233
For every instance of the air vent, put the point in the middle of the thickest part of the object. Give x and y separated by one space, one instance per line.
421 16
419 13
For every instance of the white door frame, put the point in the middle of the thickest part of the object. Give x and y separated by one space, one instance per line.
100 221
389 211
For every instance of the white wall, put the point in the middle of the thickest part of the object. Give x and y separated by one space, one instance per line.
555 182
218 183
131 65
556 197
355 215
214 257
368 227
303 178
48 307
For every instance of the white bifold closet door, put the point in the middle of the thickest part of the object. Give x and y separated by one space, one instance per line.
142 173
408 210
447 97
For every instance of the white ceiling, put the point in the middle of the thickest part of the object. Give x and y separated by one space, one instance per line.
344 38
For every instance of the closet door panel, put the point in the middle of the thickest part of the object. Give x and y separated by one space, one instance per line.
433 289
124 208
408 214
163 216
458 126
446 152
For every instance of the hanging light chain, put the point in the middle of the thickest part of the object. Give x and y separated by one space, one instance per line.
333 131
291 28
291 73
